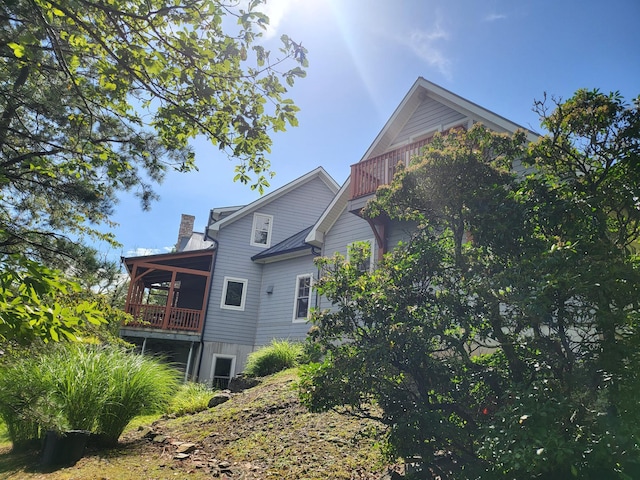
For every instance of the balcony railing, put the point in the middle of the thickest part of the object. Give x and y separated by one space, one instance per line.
368 175
155 316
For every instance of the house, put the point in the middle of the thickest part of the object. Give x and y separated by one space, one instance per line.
230 289
249 277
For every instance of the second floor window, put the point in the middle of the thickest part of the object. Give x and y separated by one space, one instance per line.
261 231
302 302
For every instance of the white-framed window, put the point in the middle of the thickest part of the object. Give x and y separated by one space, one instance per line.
261 230
302 301
222 370
367 265
234 293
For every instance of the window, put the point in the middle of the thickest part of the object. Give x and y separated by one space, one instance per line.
222 370
261 231
367 264
234 293
302 302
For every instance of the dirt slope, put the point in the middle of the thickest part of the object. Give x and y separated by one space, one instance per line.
261 433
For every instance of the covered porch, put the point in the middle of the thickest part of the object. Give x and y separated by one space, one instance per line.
168 293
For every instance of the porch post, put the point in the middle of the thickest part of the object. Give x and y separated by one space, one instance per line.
186 372
169 306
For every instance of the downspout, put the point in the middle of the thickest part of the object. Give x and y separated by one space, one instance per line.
186 371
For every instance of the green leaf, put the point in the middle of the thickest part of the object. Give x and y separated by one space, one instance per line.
18 50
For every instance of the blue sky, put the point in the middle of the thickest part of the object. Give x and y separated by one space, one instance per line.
364 56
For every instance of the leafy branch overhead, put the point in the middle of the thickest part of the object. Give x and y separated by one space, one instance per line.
98 96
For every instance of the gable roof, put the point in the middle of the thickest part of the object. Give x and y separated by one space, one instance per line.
420 90
423 89
212 229
288 248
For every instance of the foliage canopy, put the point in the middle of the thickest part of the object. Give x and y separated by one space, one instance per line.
502 340
99 97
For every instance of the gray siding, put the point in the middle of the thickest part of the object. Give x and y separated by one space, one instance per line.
239 352
399 232
430 115
348 228
291 212
276 309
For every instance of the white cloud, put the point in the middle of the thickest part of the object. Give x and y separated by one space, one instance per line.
143 252
276 10
492 17
425 44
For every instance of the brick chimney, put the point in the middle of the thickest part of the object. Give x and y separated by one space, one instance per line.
186 228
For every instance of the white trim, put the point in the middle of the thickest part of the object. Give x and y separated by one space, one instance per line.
245 285
252 241
329 216
297 319
319 172
214 358
423 88
372 245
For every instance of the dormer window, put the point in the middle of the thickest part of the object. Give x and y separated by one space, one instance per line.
261 231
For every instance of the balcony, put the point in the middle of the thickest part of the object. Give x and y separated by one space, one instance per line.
370 174
163 318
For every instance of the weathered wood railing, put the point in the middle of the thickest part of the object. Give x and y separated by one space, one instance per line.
157 316
369 174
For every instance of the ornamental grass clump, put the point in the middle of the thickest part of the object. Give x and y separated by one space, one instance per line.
278 355
81 387
190 398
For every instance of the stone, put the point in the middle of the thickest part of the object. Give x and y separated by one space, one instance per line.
147 432
219 399
186 448
239 383
159 438
181 456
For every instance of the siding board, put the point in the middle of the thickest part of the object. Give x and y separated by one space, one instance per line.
430 115
292 213
276 312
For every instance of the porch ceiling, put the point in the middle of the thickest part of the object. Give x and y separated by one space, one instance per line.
159 268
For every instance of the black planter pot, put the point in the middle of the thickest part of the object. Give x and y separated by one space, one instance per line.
65 448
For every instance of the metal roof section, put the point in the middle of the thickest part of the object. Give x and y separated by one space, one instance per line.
196 241
319 172
291 247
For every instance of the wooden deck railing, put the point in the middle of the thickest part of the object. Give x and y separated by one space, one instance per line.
154 316
369 174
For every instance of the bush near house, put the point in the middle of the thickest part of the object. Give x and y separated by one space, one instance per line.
278 355
81 387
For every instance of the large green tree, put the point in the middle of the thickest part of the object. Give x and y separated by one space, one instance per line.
502 340
103 96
